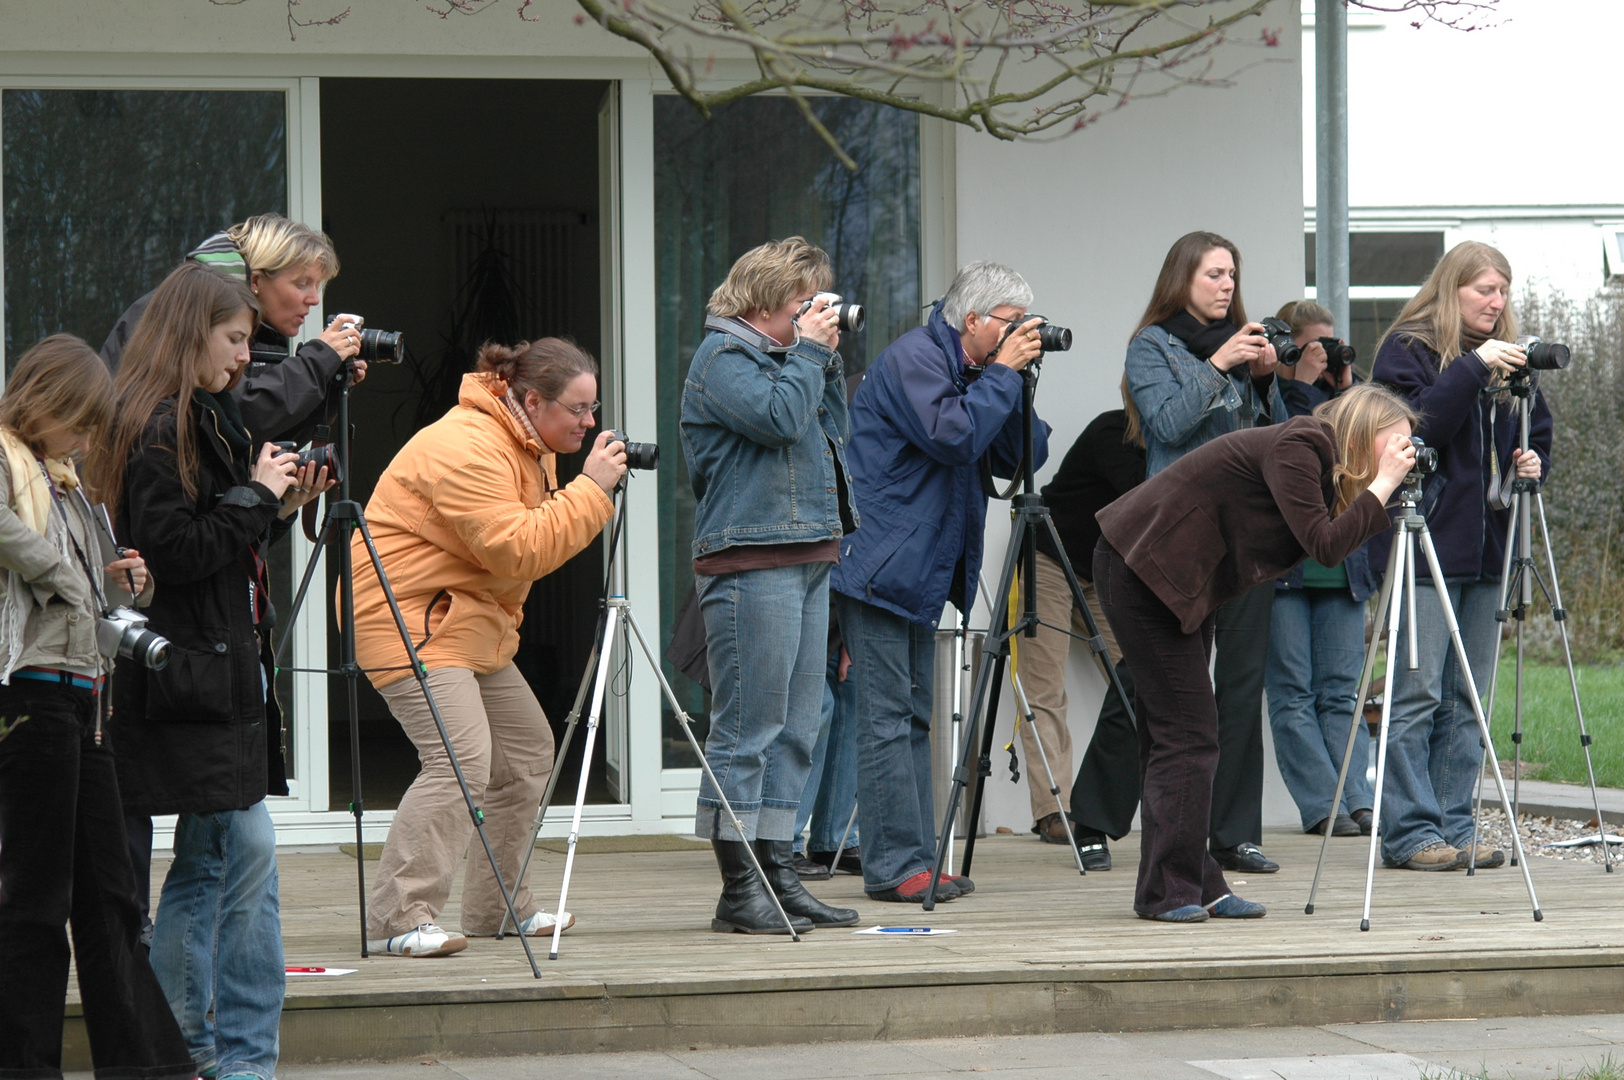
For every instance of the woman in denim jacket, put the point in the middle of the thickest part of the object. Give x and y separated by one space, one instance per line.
1198 369
764 430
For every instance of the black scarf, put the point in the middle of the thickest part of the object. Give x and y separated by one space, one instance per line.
1202 339
228 421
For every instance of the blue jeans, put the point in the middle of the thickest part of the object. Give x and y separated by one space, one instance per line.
893 671
766 632
831 790
1316 652
217 940
1434 748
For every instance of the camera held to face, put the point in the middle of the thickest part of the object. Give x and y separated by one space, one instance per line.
1426 460
849 317
1051 338
1277 332
1338 355
122 633
639 455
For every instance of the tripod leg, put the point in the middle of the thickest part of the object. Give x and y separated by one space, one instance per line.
1356 730
1096 640
989 722
1560 616
421 673
1398 580
1501 613
699 752
328 528
599 682
840 848
1477 707
558 756
1043 756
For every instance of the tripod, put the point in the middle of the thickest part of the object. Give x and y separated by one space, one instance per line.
614 623
1518 577
1398 595
1029 514
342 518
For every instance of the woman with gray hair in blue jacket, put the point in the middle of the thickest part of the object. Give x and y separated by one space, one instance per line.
764 431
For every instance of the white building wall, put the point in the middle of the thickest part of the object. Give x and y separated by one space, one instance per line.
1087 220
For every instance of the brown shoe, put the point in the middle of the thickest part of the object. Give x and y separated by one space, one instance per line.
1487 857
1053 829
1439 856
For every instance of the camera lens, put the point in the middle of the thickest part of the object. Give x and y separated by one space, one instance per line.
381 346
146 648
1546 355
639 455
1052 338
1426 458
849 317
1277 332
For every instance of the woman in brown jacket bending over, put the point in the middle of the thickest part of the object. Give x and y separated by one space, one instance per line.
1241 510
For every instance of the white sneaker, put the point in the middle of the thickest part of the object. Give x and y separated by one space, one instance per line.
426 940
541 923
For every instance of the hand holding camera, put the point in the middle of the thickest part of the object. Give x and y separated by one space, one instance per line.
1022 343
276 468
1250 346
819 320
606 464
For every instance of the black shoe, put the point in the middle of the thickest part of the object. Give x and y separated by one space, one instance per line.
851 860
1246 858
778 861
1096 855
745 907
1364 819
808 870
1343 825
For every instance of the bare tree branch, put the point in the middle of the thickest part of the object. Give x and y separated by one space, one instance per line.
294 22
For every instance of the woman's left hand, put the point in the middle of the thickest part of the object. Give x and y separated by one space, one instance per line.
132 565
1527 462
308 483
1264 363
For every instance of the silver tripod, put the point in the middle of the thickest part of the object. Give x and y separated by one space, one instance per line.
617 625
1517 580
1398 596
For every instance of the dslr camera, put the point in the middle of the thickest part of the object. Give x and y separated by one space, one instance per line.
1426 460
1051 338
321 455
639 455
1277 332
849 317
1338 355
1542 356
121 633
379 346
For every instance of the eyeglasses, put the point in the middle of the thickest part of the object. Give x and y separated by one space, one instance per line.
577 411
1000 318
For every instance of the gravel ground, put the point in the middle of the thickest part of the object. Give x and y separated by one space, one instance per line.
1540 832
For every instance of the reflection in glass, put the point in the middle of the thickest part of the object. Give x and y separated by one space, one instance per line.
757 172
106 190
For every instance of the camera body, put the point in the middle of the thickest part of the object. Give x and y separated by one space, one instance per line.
849 317
639 455
321 455
1277 332
1338 355
121 633
1426 459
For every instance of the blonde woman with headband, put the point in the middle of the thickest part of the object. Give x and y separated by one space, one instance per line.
1449 345
1227 517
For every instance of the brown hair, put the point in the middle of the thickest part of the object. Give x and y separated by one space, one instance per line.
1172 292
769 276
60 380
167 357
1432 316
1354 416
1133 434
546 365
1302 314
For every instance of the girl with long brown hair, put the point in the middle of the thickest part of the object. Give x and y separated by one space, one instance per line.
1447 352
201 738
65 858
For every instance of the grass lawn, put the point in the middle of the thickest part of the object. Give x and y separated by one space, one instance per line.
1550 731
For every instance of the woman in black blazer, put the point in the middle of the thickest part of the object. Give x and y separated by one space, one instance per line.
1240 510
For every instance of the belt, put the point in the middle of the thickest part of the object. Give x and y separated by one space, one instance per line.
57 675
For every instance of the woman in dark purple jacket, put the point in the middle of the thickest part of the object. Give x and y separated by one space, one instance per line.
1447 353
1237 512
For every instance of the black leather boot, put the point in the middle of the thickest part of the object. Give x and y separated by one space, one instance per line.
745 907
778 860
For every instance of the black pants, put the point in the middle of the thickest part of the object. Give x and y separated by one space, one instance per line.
1178 739
1241 652
63 857
1106 791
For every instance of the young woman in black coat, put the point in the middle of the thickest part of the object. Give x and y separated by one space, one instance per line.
202 737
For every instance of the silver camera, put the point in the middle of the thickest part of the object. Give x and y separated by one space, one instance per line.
122 633
848 317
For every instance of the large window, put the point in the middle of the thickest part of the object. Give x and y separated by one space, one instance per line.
106 190
756 172
1384 271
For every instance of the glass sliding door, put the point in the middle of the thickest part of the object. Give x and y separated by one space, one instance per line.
756 172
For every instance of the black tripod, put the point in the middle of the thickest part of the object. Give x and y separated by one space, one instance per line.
1518 577
1398 596
616 626
1028 514
343 518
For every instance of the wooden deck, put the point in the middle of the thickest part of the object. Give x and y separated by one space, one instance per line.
1037 949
